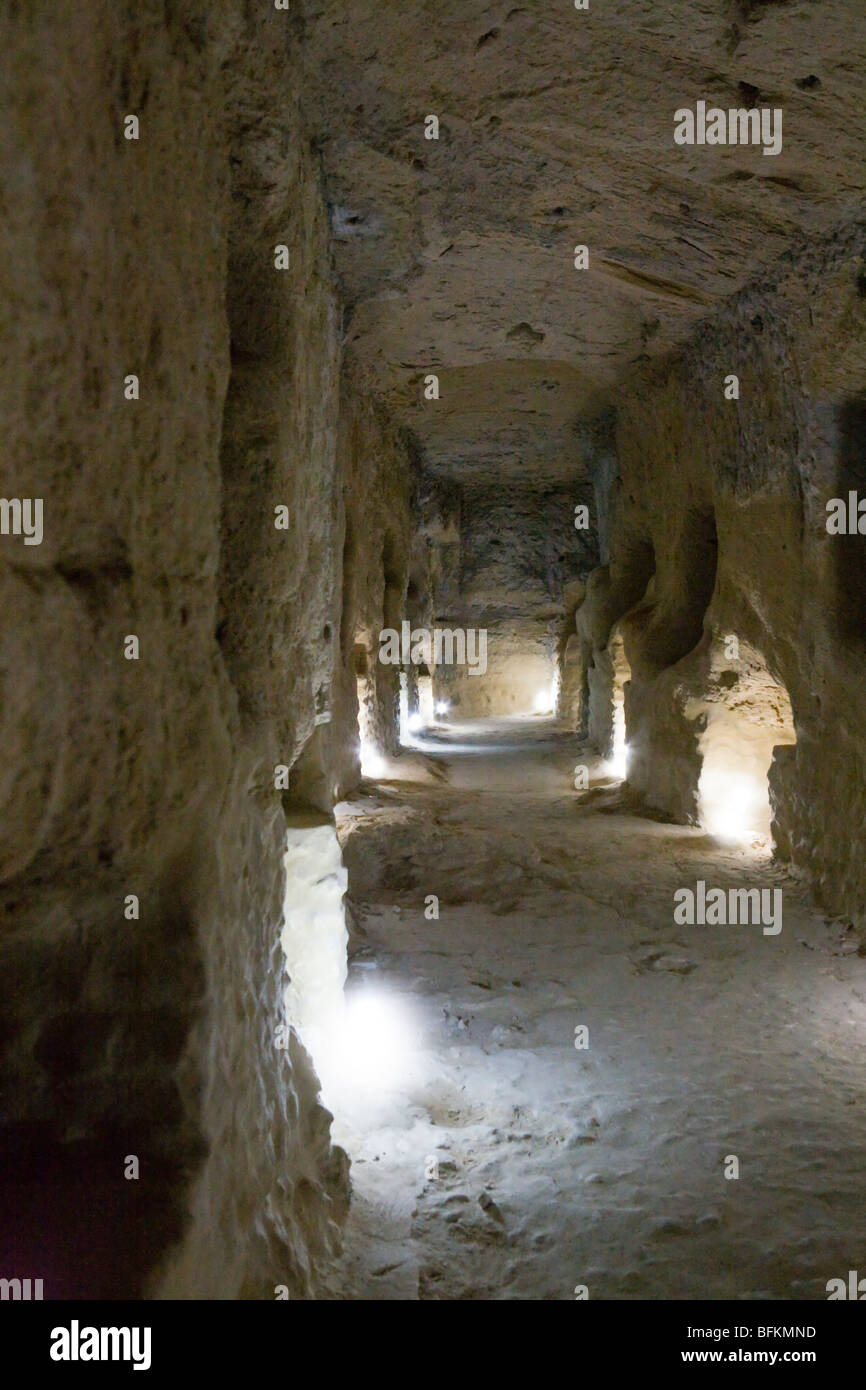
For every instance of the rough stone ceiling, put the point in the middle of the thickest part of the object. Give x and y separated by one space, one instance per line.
556 129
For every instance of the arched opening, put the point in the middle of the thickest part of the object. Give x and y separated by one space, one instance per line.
746 717
372 762
607 677
617 754
667 623
426 712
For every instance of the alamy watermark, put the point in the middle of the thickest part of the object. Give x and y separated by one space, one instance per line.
855 1288
846 517
22 516
713 907
21 1290
441 647
737 126
77 1343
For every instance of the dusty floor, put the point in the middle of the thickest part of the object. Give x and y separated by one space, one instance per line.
604 1167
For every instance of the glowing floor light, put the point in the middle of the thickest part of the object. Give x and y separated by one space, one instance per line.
617 764
545 700
733 804
442 706
372 763
367 1049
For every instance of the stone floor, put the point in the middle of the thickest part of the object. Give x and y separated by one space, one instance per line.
492 1158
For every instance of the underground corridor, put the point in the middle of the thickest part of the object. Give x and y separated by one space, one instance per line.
433 643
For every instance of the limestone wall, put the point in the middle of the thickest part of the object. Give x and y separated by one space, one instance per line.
156 1035
719 530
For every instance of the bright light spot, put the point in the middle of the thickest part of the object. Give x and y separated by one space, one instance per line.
367 1049
425 700
409 723
731 804
442 706
372 762
617 766
545 700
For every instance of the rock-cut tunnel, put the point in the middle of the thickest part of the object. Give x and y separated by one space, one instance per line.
432 650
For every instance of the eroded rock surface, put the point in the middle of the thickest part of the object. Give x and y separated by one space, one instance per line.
190 656
155 1035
